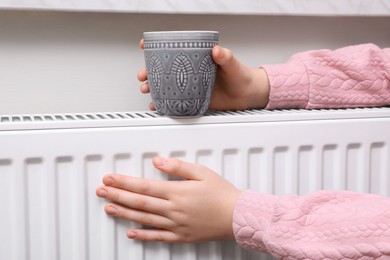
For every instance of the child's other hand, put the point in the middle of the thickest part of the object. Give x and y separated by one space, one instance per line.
197 208
237 87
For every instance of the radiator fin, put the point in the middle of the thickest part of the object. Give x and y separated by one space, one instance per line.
309 177
379 168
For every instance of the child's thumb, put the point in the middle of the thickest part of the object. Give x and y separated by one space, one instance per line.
225 58
178 168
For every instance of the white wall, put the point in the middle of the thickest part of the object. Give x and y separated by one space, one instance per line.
64 62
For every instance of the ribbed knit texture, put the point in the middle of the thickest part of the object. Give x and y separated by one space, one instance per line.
321 225
354 76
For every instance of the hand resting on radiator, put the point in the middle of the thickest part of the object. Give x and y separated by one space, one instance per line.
197 208
203 206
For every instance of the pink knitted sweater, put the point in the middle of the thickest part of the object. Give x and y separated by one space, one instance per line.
354 76
324 224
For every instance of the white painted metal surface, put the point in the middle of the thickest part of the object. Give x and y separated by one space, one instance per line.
50 168
292 7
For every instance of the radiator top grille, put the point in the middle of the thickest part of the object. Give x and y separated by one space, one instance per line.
75 117
120 119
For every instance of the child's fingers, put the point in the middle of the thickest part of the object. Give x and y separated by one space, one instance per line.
180 168
141 43
134 200
151 106
153 235
225 59
142 75
154 188
221 55
144 88
140 217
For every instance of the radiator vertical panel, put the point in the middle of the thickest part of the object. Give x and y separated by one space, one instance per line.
154 250
20 246
207 251
101 235
32 172
259 173
230 251
379 168
183 252
70 201
309 178
232 170
284 172
182 155
65 186
81 207
124 163
148 170
356 168
332 169
8 214
40 205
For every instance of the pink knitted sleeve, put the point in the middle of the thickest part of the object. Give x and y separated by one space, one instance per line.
321 225
354 76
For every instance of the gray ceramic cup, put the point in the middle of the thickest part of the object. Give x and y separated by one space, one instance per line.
181 71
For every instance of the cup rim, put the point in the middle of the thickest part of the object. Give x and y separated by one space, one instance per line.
181 35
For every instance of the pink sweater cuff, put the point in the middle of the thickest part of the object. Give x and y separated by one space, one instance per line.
252 215
289 86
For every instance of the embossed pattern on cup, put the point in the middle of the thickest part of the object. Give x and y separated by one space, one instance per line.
181 71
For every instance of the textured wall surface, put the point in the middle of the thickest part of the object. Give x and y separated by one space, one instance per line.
62 62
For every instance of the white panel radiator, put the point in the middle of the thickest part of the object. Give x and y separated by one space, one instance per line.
51 165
